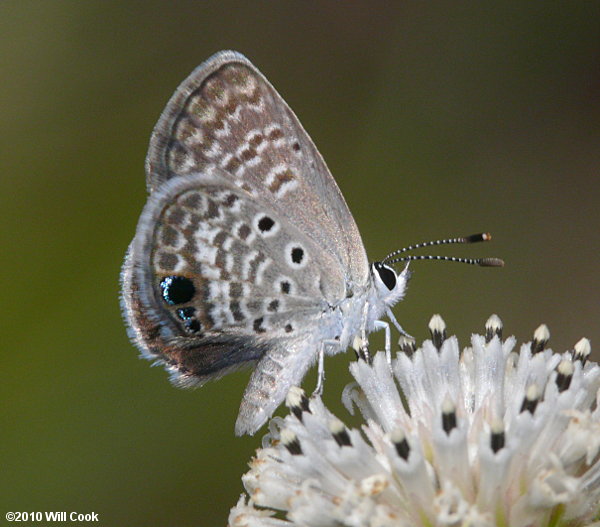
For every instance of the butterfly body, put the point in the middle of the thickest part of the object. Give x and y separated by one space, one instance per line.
246 252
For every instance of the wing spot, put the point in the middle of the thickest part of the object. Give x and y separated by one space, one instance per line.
297 255
176 216
177 289
256 140
167 261
188 132
230 200
235 290
258 327
236 311
248 154
192 200
204 110
213 210
266 224
193 326
275 133
230 107
188 316
243 231
280 179
232 164
169 236
180 159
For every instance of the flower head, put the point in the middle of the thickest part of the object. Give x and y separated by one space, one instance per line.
488 437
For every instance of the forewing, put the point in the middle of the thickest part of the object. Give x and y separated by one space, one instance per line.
215 278
227 116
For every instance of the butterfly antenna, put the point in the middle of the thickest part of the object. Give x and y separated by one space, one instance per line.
473 238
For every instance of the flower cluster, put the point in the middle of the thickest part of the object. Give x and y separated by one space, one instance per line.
488 437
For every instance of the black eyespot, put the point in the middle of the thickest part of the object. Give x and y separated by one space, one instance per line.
387 275
192 325
297 255
187 316
296 147
185 313
273 306
288 328
286 287
265 224
177 289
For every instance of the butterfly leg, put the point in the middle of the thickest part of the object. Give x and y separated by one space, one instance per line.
380 324
361 343
321 365
391 316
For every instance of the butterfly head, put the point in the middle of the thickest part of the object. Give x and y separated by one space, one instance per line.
389 285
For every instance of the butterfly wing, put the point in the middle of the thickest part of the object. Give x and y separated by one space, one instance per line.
245 243
227 116
215 279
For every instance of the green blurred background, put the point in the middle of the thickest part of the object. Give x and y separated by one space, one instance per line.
436 119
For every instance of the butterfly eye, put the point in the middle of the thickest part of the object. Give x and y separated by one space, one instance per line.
387 275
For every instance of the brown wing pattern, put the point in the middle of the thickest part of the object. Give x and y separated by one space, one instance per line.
227 117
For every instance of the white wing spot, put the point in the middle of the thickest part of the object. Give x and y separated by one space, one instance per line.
249 86
195 138
262 266
205 233
286 187
225 160
214 150
183 162
265 225
254 161
227 244
216 316
274 172
206 254
207 114
239 172
259 106
295 255
211 273
235 116
262 147
246 264
229 261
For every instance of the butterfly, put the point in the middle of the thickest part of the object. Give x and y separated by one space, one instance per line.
246 253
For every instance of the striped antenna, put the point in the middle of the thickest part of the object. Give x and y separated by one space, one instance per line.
473 238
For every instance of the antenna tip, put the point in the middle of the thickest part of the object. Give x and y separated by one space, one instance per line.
491 262
479 237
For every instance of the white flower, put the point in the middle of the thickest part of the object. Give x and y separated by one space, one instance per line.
483 438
